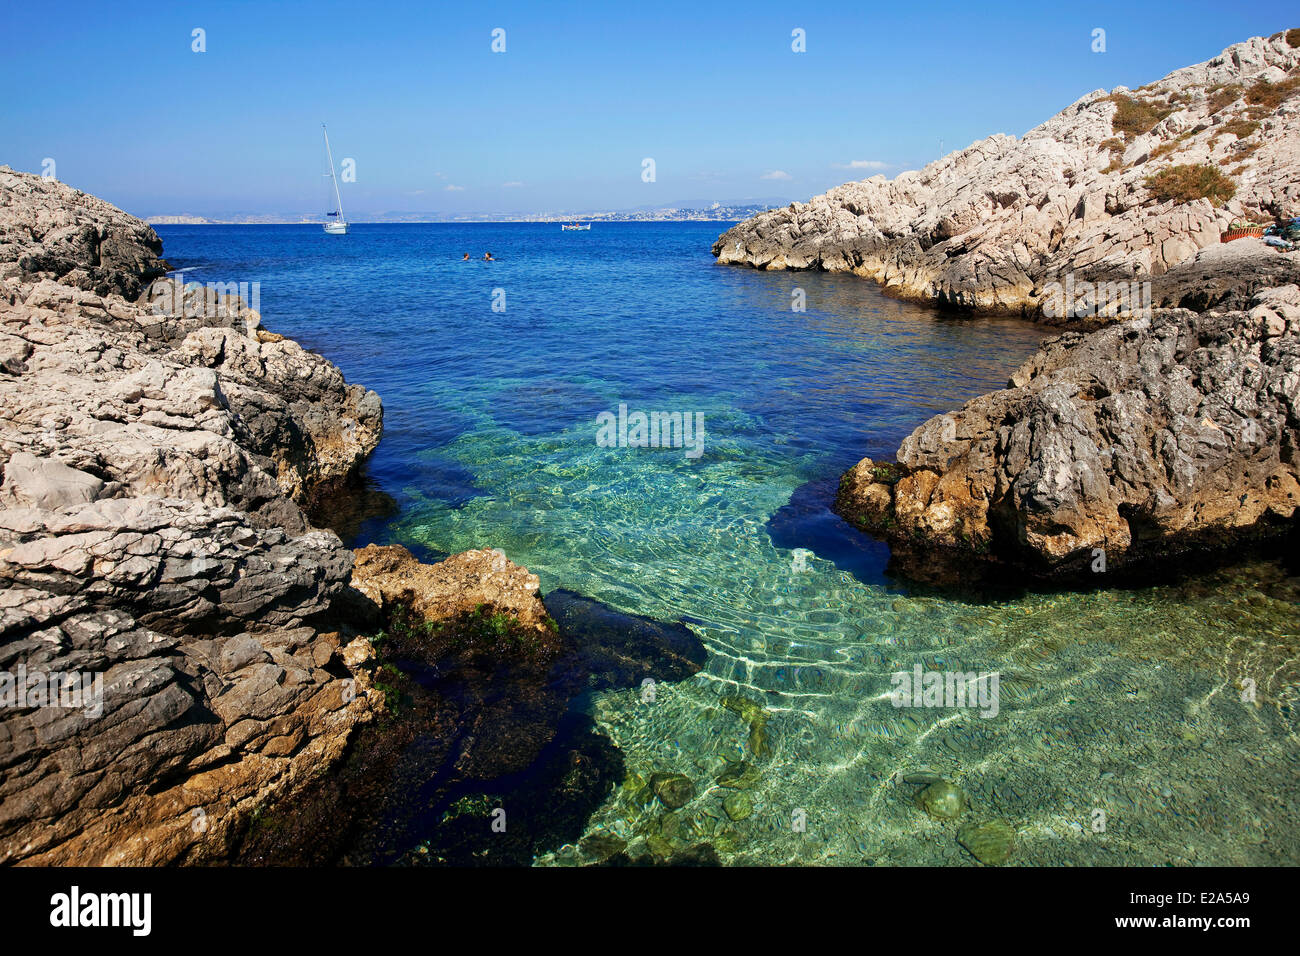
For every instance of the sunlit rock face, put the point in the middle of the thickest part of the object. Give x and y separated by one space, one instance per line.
1139 442
992 227
158 451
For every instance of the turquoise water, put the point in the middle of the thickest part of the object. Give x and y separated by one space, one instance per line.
1121 735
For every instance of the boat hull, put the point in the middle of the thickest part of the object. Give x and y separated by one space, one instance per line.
336 228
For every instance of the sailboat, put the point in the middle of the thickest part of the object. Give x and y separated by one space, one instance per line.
339 226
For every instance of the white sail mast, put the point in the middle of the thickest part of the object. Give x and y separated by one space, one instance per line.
338 199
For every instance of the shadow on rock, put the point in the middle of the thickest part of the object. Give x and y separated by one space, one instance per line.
478 758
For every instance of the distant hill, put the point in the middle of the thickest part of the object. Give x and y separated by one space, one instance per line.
691 211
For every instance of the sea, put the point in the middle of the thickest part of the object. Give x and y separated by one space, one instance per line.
1119 726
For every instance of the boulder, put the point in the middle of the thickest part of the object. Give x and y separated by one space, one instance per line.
1122 448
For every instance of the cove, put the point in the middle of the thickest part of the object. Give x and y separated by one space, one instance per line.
1124 701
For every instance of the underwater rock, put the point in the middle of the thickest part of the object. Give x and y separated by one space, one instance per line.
990 842
698 854
615 649
738 805
738 776
670 826
942 800
922 778
602 846
674 790
756 717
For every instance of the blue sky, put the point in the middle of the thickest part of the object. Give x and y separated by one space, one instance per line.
436 121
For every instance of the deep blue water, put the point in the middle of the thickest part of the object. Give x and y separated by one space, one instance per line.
628 312
1108 700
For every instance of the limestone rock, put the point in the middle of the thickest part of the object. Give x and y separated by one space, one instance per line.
1135 443
391 576
156 462
993 226
50 230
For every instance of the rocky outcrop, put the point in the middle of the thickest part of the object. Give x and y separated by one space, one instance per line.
48 230
393 579
158 449
1152 438
1225 276
481 728
993 226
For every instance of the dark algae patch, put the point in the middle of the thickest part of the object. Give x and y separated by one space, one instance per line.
477 757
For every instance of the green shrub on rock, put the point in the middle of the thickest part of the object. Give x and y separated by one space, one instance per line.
1187 183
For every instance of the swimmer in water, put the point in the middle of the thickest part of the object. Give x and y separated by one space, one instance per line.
487 257
466 259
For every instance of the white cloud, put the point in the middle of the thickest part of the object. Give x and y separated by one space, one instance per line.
776 174
454 189
862 164
511 185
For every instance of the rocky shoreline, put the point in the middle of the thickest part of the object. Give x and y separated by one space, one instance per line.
990 228
159 449
1162 429
1142 444
166 460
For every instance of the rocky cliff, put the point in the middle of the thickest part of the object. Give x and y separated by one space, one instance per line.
1118 186
1138 444
158 449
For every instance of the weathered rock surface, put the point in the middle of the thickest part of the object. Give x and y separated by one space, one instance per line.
993 226
158 449
392 578
1144 440
48 230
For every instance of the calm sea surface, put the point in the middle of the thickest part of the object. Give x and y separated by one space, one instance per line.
1121 733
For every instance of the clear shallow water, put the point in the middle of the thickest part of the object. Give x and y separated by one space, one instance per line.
1124 702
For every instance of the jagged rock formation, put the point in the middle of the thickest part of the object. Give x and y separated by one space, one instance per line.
48 229
993 226
1146 439
158 449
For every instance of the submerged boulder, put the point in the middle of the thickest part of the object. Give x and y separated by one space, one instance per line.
990 842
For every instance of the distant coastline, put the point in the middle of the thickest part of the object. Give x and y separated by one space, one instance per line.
717 212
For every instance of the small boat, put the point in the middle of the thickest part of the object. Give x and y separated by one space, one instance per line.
339 226
576 227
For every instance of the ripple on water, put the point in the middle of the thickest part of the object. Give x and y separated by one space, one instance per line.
1124 707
